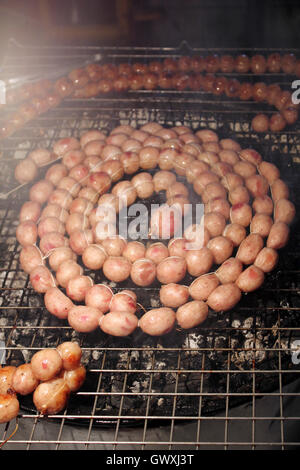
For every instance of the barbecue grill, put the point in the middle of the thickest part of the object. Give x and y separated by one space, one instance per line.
189 389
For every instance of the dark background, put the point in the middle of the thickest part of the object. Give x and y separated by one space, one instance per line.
203 23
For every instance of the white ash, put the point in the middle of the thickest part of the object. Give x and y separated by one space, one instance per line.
154 302
96 354
3 321
236 323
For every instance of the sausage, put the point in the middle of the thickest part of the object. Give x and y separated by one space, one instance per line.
260 122
279 190
51 397
50 241
124 301
163 179
263 204
84 318
231 180
31 211
221 248
284 211
78 286
239 195
113 168
130 162
171 269
250 279
203 286
59 255
197 236
249 248
41 156
278 236
208 156
218 205
143 272
76 221
158 321
191 314
65 144
61 197
229 270
215 223
9 407
69 184
143 185
257 185
74 378
176 189
269 171
157 252
266 259
27 233
165 222
173 295
126 192
80 239
99 296
94 147
99 181
50 224
245 169
114 246
81 205
24 381
194 169
46 364
199 261
30 258
110 152
117 323
148 157
224 297
41 191
94 256
134 250
41 279
54 210
67 270
261 224
207 135
91 135
203 179
213 190
26 171
55 173
181 162
116 268
229 156
166 159
241 214
6 377
177 247
71 354
235 232
57 303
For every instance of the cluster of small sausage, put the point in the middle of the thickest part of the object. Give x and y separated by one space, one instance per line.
193 73
246 205
51 375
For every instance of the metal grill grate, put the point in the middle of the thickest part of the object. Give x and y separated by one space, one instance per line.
217 386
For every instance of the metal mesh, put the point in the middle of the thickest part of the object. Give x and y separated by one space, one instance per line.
188 390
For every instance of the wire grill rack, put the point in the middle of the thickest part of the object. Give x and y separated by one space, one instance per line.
202 389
